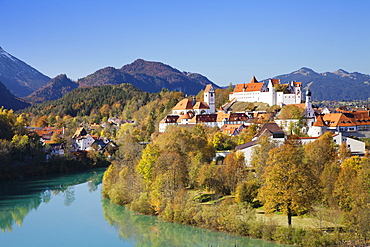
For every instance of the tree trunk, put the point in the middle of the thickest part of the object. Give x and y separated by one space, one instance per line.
289 213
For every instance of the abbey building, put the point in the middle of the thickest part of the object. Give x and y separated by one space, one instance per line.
271 92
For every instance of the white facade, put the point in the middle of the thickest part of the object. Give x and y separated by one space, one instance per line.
265 92
84 142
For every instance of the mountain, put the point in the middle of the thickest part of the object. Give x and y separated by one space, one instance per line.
148 76
54 89
337 85
9 101
20 78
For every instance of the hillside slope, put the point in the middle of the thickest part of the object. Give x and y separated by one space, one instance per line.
20 78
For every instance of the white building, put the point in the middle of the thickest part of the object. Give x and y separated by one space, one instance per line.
266 92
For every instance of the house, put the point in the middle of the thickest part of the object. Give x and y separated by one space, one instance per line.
232 129
81 139
266 92
269 130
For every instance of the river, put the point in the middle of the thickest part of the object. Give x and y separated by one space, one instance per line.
69 210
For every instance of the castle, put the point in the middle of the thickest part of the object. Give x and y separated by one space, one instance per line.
271 92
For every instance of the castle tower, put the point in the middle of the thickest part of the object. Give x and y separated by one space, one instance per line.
210 97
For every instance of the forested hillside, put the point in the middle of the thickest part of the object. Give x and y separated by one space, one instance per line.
54 89
87 101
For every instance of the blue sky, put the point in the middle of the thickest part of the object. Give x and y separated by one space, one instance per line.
227 41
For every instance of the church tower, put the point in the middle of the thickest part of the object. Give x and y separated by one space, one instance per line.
210 97
309 112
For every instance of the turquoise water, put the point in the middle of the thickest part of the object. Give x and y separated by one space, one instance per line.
69 211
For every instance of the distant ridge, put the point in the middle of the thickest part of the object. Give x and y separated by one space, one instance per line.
54 89
336 85
148 76
20 78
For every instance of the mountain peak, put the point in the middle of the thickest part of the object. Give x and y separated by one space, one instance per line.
20 78
340 72
305 71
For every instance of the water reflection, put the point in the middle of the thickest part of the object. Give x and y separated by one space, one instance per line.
148 231
18 198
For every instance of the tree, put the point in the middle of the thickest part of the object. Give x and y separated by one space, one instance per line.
291 112
260 155
289 185
43 121
321 152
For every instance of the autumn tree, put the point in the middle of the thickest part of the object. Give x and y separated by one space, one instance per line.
252 131
289 182
42 121
291 112
352 192
321 152
260 154
233 171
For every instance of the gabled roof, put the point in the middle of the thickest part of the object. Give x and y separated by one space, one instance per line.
221 116
188 115
246 145
238 117
338 119
270 129
209 88
79 132
184 104
248 87
170 119
231 129
319 121
201 105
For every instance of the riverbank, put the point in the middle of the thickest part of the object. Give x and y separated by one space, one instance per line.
52 166
227 216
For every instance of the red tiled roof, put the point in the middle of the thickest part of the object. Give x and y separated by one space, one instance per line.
319 121
184 104
201 105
